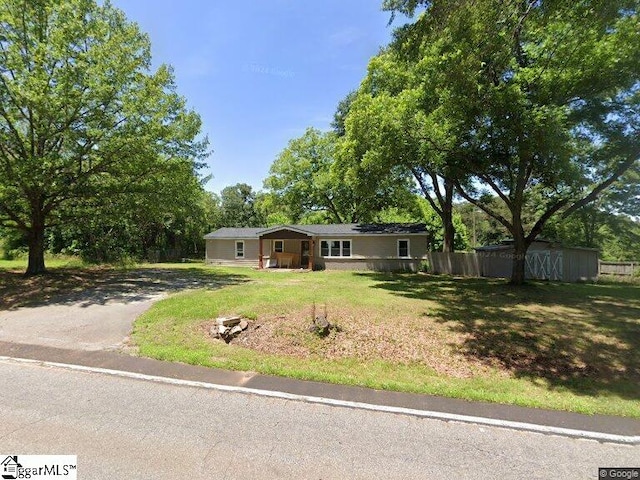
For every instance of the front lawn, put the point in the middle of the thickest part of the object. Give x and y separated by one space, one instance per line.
570 347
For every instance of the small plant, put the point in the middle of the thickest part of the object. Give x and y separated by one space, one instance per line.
424 266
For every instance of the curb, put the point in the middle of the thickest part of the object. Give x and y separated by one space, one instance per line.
430 414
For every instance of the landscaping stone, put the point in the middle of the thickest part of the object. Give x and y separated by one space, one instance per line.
322 325
228 321
227 328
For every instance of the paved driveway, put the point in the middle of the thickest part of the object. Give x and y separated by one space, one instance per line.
99 315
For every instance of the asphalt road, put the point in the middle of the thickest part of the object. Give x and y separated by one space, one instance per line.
127 428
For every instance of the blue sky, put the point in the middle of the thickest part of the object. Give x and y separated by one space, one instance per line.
260 72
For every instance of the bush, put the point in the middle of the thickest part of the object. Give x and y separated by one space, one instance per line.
13 245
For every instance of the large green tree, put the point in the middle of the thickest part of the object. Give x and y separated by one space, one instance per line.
309 181
239 207
82 116
302 179
393 128
165 219
542 100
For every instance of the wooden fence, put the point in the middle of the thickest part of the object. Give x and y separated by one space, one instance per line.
619 268
568 264
458 263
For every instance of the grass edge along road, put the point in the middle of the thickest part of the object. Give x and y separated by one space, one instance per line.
570 347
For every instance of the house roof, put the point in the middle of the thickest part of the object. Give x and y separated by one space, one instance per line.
508 244
342 230
233 232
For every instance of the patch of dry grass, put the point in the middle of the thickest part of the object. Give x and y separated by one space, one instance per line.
364 335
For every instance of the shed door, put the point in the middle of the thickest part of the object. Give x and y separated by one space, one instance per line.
544 265
536 265
555 260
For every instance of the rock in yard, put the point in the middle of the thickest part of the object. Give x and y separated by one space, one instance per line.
322 325
228 321
227 328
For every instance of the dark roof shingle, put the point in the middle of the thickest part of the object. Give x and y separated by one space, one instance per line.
342 229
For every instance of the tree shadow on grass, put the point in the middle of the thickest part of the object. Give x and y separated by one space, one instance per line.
580 337
98 286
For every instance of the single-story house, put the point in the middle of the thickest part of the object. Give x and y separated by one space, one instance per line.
386 247
545 260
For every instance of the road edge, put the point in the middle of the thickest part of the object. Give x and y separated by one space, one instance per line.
430 414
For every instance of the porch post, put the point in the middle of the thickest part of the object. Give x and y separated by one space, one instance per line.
311 250
260 260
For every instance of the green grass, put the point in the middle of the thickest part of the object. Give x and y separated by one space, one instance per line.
560 346
52 262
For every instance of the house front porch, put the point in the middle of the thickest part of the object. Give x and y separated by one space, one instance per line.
288 248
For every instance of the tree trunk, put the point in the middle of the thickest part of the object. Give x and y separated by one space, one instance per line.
449 230
519 263
520 247
447 218
36 249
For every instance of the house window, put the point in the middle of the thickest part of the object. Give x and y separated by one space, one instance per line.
403 249
278 246
239 248
335 248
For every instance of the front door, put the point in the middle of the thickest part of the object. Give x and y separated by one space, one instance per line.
305 251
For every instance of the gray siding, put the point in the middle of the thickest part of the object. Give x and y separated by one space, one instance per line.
223 252
557 264
496 263
290 246
367 252
380 247
580 265
380 265
375 253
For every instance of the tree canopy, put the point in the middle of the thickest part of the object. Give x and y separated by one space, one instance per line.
393 129
83 120
311 183
539 101
239 208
